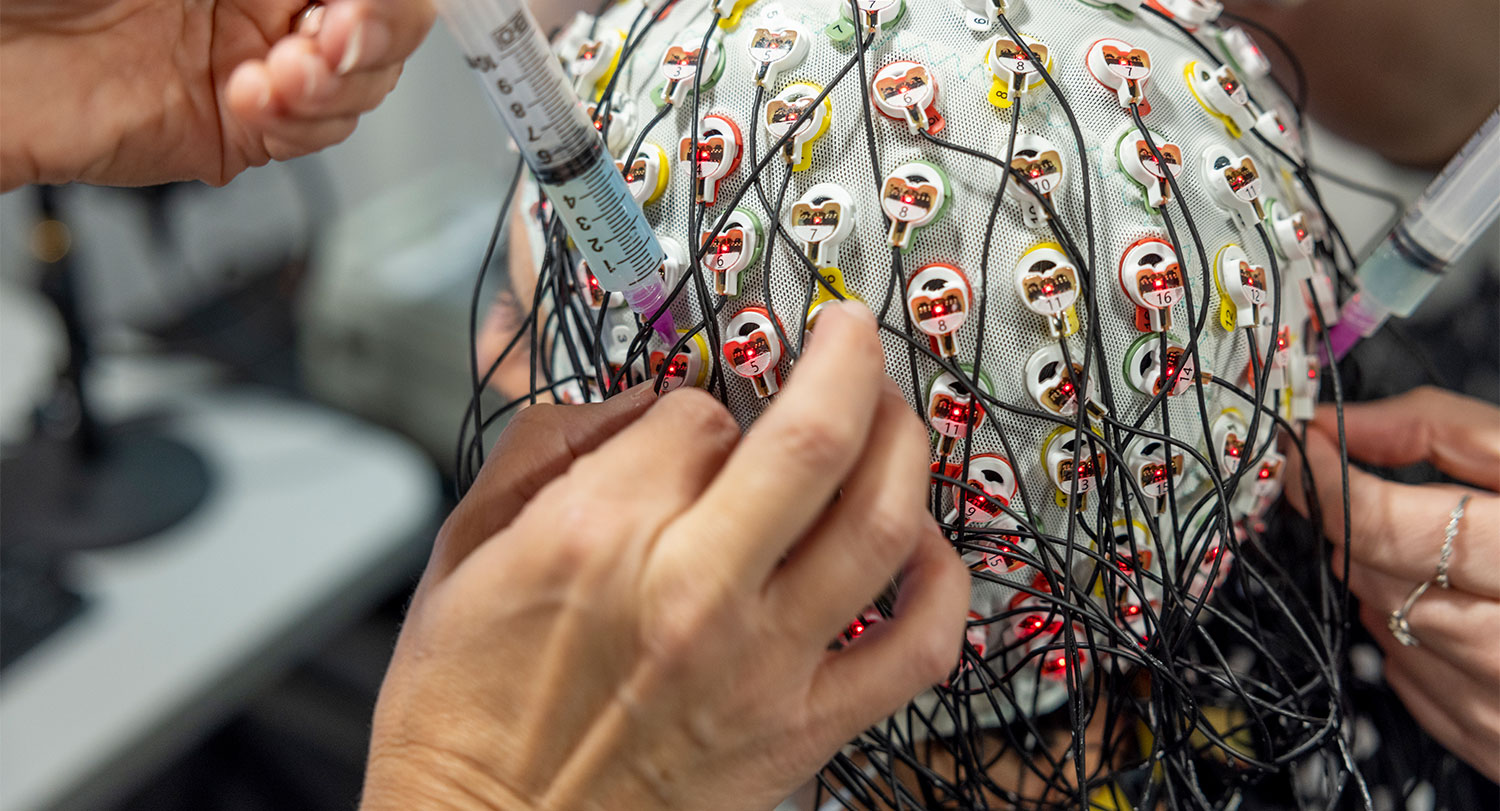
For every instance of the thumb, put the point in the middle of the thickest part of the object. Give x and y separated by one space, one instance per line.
538 446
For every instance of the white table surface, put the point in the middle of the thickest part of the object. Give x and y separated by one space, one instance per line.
311 517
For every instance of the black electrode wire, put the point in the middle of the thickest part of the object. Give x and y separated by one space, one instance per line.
1172 704
983 301
697 253
633 40
1078 141
484 267
793 351
1077 712
1196 325
769 249
1299 98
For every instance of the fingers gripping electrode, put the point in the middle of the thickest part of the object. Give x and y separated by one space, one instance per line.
1142 167
821 220
792 104
1012 72
939 299
908 91
732 249
1244 289
1041 164
716 155
1151 278
753 349
913 196
1123 68
951 410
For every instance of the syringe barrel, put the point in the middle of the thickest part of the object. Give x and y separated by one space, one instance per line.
547 120
501 41
1462 201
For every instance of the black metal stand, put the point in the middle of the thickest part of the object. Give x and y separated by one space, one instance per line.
80 484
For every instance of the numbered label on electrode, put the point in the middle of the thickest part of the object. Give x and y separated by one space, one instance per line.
1244 288
1234 183
939 298
732 249
952 410
753 349
875 15
1012 72
908 91
1141 166
1037 174
821 220
680 66
1048 285
1150 366
777 48
914 195
1123 68
1151 278
1069 476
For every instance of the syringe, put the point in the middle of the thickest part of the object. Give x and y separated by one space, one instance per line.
1451 214
545 117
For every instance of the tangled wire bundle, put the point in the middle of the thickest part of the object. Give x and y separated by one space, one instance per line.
1102 270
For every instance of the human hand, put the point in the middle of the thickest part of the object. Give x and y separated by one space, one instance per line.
1450 682
646 623
135 92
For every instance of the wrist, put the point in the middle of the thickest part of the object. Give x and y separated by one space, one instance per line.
419 777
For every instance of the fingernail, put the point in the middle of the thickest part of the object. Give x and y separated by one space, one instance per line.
309 21
369 39
312 68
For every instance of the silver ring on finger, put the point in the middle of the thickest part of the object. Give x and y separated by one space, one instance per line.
1399 623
